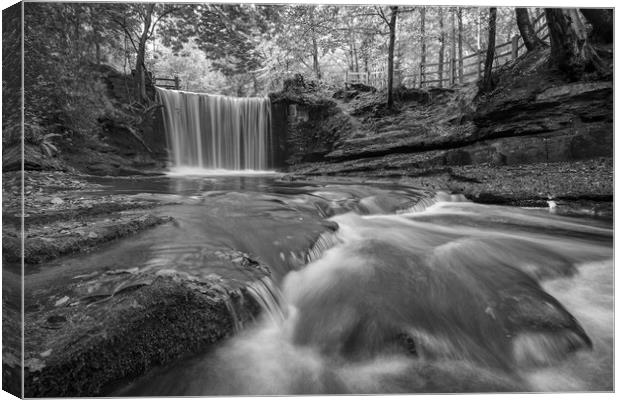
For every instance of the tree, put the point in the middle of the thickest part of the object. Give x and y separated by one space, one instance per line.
309 32
239 40
452 44
459 15
391 23
422 41
528 34
602 21
442 46
392 26
139 78
62 90
487 80
139 21
571 51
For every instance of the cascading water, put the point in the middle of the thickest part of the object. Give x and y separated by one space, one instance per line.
212 132
414 293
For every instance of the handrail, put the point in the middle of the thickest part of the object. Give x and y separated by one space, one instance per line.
455 70
176 80
538 18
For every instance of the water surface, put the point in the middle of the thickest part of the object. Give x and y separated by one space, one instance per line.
413 292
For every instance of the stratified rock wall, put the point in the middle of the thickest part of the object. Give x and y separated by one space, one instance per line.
306 122
533 117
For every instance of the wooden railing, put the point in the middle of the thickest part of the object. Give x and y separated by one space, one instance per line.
169 83
428 74
376 79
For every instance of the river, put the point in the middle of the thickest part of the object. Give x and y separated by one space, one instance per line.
414 292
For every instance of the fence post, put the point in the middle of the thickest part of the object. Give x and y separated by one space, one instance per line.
346 76
515 47
479 63
457 77
450 70
420 74
455 71
368 78
176 82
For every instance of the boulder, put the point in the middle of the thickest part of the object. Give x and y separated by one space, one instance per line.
86 335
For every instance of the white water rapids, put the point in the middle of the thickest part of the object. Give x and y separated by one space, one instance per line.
458 297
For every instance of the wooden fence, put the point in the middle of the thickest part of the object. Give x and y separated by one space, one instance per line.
468 69
168 83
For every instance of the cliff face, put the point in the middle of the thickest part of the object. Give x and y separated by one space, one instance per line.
306 122
454 139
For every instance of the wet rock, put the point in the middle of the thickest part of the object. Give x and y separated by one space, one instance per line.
120 325
48 242
12 290
60 219
33 159
586 182
61 301
54 322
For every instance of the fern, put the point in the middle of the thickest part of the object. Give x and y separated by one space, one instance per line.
46 144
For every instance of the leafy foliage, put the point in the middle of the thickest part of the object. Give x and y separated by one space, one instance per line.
234 49
11 77
61 88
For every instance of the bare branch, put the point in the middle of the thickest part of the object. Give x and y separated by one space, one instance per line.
382 15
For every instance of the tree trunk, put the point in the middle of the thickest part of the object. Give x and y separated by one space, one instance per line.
398 58
602 21
351 62
452 46
460 23
139 78
571 52
392 26
478 30
97 53
487 80
315 58
255 84
528 34
442 47
423 41
365 56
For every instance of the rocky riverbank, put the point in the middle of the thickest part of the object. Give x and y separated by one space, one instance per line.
535 138
89 326
64 213
576 188
86 331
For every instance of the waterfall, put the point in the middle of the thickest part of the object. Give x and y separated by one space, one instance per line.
217 132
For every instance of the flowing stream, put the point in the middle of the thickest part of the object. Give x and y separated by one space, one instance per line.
375 288
414 292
